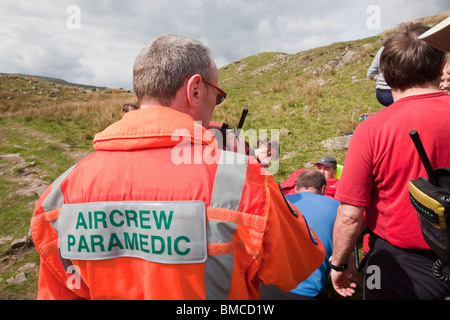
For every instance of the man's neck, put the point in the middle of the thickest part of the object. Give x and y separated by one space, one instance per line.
429 88
309 189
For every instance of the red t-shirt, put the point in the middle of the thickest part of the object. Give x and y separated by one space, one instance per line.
382 159
288 186
331 188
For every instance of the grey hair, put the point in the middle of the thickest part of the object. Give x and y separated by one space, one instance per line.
163 65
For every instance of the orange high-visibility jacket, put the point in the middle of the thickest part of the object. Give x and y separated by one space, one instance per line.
158 212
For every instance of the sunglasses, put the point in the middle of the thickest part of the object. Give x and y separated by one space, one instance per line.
221 95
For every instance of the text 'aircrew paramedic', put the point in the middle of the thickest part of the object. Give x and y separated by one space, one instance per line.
130 222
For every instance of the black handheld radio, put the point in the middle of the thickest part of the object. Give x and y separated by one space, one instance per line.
225 129
431 199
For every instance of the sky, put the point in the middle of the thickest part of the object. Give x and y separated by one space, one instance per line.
96 42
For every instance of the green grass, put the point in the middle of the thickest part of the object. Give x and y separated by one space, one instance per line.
290 93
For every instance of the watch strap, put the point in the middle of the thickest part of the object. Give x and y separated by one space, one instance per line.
341 267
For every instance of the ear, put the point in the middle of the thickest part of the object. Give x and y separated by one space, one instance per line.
195 91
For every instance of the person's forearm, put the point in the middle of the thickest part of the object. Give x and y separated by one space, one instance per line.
347 229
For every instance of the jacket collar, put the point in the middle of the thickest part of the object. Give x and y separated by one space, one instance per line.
152 127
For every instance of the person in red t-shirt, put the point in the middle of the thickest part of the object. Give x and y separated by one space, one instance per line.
380 161
326 165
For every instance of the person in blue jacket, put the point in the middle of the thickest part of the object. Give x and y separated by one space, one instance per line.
320 212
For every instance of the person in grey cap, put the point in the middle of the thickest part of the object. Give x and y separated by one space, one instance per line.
328 166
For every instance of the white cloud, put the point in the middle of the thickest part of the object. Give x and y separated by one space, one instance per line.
35 38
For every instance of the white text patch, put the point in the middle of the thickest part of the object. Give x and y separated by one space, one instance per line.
165 232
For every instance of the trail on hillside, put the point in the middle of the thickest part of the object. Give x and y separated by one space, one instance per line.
22 178
23 172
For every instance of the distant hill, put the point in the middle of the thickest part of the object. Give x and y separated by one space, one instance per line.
57 81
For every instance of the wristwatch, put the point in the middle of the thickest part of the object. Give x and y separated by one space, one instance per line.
341 267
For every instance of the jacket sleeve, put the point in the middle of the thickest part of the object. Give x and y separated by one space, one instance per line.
291 251
53 278
50 288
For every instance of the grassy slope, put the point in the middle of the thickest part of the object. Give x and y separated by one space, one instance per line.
47 127
301 99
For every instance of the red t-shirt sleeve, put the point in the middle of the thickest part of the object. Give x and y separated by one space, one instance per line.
355 185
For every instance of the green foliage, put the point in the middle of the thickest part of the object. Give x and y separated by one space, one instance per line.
310 96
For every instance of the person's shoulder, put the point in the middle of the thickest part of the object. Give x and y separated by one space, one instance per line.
331 200
323 199
375 122
294 197
305 196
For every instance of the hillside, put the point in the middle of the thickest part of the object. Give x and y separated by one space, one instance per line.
46 127
309 97
56 81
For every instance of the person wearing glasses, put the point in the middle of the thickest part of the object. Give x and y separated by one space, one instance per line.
159 212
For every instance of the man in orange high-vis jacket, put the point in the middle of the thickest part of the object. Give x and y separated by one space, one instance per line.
159 212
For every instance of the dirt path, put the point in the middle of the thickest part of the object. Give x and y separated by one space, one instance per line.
21 178
16 168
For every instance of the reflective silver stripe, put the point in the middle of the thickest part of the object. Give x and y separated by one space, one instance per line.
227 192
218 273
55 198
220 231
230 180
